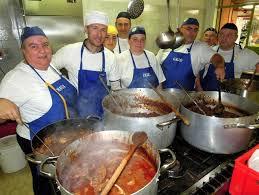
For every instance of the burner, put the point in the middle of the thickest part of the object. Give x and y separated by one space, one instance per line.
176 171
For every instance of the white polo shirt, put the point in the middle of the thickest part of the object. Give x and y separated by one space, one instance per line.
126 66
201 54
124 45
69 57
24 87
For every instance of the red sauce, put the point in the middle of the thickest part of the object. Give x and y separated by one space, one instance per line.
89 171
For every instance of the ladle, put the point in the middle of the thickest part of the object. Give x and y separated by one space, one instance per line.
109 92
183 118
188 95
38 138
138 138
219 108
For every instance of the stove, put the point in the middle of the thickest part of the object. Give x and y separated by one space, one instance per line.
196 171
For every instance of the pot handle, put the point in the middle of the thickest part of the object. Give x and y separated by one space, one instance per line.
169 162
239 125
167 123
48 173
31 158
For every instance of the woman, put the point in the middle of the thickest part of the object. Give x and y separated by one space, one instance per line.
139 67
35 93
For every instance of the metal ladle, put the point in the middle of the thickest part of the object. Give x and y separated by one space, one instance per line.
219 109
194 101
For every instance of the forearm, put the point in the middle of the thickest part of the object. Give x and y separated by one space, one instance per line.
257 67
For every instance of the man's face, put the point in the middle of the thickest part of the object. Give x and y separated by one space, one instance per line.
37 52
96 34
110 41
190 32
227 38
137 43
210 37
123 26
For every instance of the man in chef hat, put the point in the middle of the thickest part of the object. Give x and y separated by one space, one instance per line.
90 65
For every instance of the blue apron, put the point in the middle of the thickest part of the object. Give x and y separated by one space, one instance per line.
178 67
143 77
209 82
91 90
57 110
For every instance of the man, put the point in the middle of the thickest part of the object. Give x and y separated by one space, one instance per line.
139 67
236 59
90 66
35 93
210 36
111 38
123 25
184 63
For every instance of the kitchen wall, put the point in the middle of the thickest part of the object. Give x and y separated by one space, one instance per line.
154 17
11 23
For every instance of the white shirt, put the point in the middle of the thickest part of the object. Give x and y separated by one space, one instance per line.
124 45
244 59
126 66
201 54
69 57
25 88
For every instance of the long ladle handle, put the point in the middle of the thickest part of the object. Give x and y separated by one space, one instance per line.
118 171
168 15
251 80
219 89
25 124
183 118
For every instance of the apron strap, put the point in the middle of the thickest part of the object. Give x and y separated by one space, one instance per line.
233 54
81 58
189 49
119 44
133 61
53 88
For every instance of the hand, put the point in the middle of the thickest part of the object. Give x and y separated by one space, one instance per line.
197 84
9 111
220 73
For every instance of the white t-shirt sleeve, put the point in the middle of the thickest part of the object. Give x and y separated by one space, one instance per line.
245 61
201 55
157 68
162 55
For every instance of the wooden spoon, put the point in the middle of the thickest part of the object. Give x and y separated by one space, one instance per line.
138 138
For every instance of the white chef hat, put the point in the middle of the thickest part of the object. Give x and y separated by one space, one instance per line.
96 17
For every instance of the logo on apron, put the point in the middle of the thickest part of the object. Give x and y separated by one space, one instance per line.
177 59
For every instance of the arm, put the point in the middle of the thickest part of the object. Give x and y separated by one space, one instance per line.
257 67
218 62
9 110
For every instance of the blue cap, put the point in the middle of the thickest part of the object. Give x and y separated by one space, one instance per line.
31 31
137 30
231 26
192 21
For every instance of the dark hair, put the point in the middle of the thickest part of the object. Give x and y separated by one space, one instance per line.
211 29
137 30
123 15
231 26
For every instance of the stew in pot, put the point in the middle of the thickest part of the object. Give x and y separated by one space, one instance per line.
88 170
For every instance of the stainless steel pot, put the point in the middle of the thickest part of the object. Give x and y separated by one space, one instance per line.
60 130
178 93
220 135
119 136
238 86
160 129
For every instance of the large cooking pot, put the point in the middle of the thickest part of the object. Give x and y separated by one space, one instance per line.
161 129
60 134
176 92
220 135
238 86
73 151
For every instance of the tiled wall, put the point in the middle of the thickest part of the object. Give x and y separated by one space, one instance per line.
11 23
154 17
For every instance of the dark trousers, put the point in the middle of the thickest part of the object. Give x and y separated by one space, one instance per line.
41 185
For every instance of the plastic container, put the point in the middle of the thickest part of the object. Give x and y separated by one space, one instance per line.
244 181
12 158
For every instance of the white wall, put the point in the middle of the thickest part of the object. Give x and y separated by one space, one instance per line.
154 17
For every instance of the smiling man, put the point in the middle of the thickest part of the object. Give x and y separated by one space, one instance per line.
184 63
123 25
88 64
